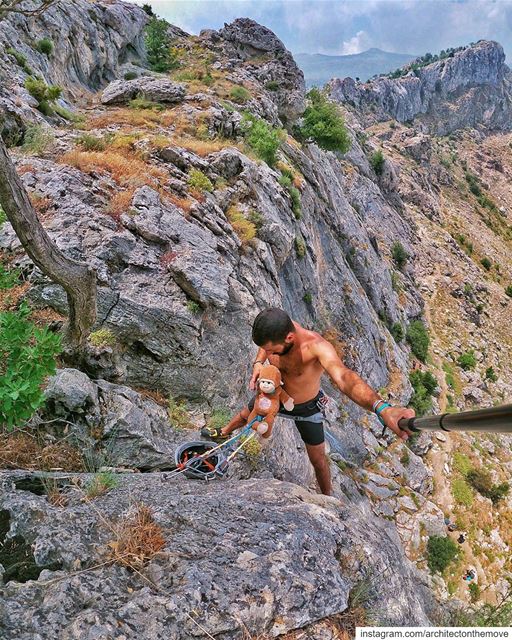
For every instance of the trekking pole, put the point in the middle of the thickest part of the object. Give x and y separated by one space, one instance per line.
491 420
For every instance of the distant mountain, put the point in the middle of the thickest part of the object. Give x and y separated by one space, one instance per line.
319 69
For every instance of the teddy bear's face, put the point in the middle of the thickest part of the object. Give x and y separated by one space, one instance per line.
267 386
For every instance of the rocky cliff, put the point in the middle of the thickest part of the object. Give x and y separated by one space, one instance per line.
191 235
469 89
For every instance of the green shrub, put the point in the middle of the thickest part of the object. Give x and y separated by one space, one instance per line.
219 418
285 181
88 142
100 484
147 8
307 297
67 114
377 162
418 339
8 277
37 139
399 254
323 122
239 94
461 463
482 482
397 331
158 46
28 357
508 291
490 374
198 180
295 197
3 217
441 551
130 75
467 360
405 458
486 263
473 184
474 592
272 85
45 45
262 138
300 247
21 59
424 385
256 218
462 492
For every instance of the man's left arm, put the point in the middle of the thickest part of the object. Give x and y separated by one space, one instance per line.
349 383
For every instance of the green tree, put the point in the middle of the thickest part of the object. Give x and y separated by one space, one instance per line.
418 339
441 551
377 162
158 46
323 123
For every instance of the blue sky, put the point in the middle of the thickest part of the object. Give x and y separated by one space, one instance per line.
350 26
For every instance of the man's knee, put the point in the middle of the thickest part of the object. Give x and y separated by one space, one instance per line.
244 413
317 457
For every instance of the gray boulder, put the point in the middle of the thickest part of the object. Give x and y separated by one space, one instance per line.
155 89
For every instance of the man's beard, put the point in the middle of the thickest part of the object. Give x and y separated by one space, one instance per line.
286 348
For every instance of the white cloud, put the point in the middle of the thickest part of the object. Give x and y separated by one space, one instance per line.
356 44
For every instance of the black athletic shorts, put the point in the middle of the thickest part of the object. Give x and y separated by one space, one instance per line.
310 432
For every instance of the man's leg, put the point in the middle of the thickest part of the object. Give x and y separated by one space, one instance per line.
317 457
236 421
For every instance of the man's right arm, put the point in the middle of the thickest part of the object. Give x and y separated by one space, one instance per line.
259 360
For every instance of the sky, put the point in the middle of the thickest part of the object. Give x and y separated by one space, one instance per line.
339 27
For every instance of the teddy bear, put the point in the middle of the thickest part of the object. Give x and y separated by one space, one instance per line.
270 396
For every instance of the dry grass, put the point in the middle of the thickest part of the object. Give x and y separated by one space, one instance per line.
120 203
157 396
185 204
127 170
130 117
138 538
203 147
20 450
43 317
25 168
243 228
10 298
41 204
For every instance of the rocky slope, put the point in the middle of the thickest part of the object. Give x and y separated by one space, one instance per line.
179 285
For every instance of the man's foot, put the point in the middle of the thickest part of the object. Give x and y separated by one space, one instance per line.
214 433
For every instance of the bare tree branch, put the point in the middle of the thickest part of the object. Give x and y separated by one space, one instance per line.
13 6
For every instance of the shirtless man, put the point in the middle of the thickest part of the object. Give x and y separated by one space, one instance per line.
302 357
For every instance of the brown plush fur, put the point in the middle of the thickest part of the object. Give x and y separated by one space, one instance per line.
268 404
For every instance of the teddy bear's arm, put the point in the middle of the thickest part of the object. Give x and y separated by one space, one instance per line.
286 400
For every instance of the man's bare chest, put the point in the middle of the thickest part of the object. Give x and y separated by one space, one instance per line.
293 366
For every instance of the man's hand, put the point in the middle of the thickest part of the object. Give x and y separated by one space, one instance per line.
255 375
392 415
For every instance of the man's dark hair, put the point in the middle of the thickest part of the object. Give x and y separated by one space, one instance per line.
271 325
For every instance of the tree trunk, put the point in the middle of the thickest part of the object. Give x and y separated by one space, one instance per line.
77 278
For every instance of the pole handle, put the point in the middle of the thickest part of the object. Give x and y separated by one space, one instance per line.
408 423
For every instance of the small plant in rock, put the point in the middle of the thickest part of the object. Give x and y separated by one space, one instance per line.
418 339
491 375
45 45
508 291
89 142
198 180
100 484
141 102
239 94
467 360
307 297
219 418
399 254
37 139
3 219
193 307
130 75
102 338
397 331
21 59
272 85
377 162
178 414
300 247
486 264
43 93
